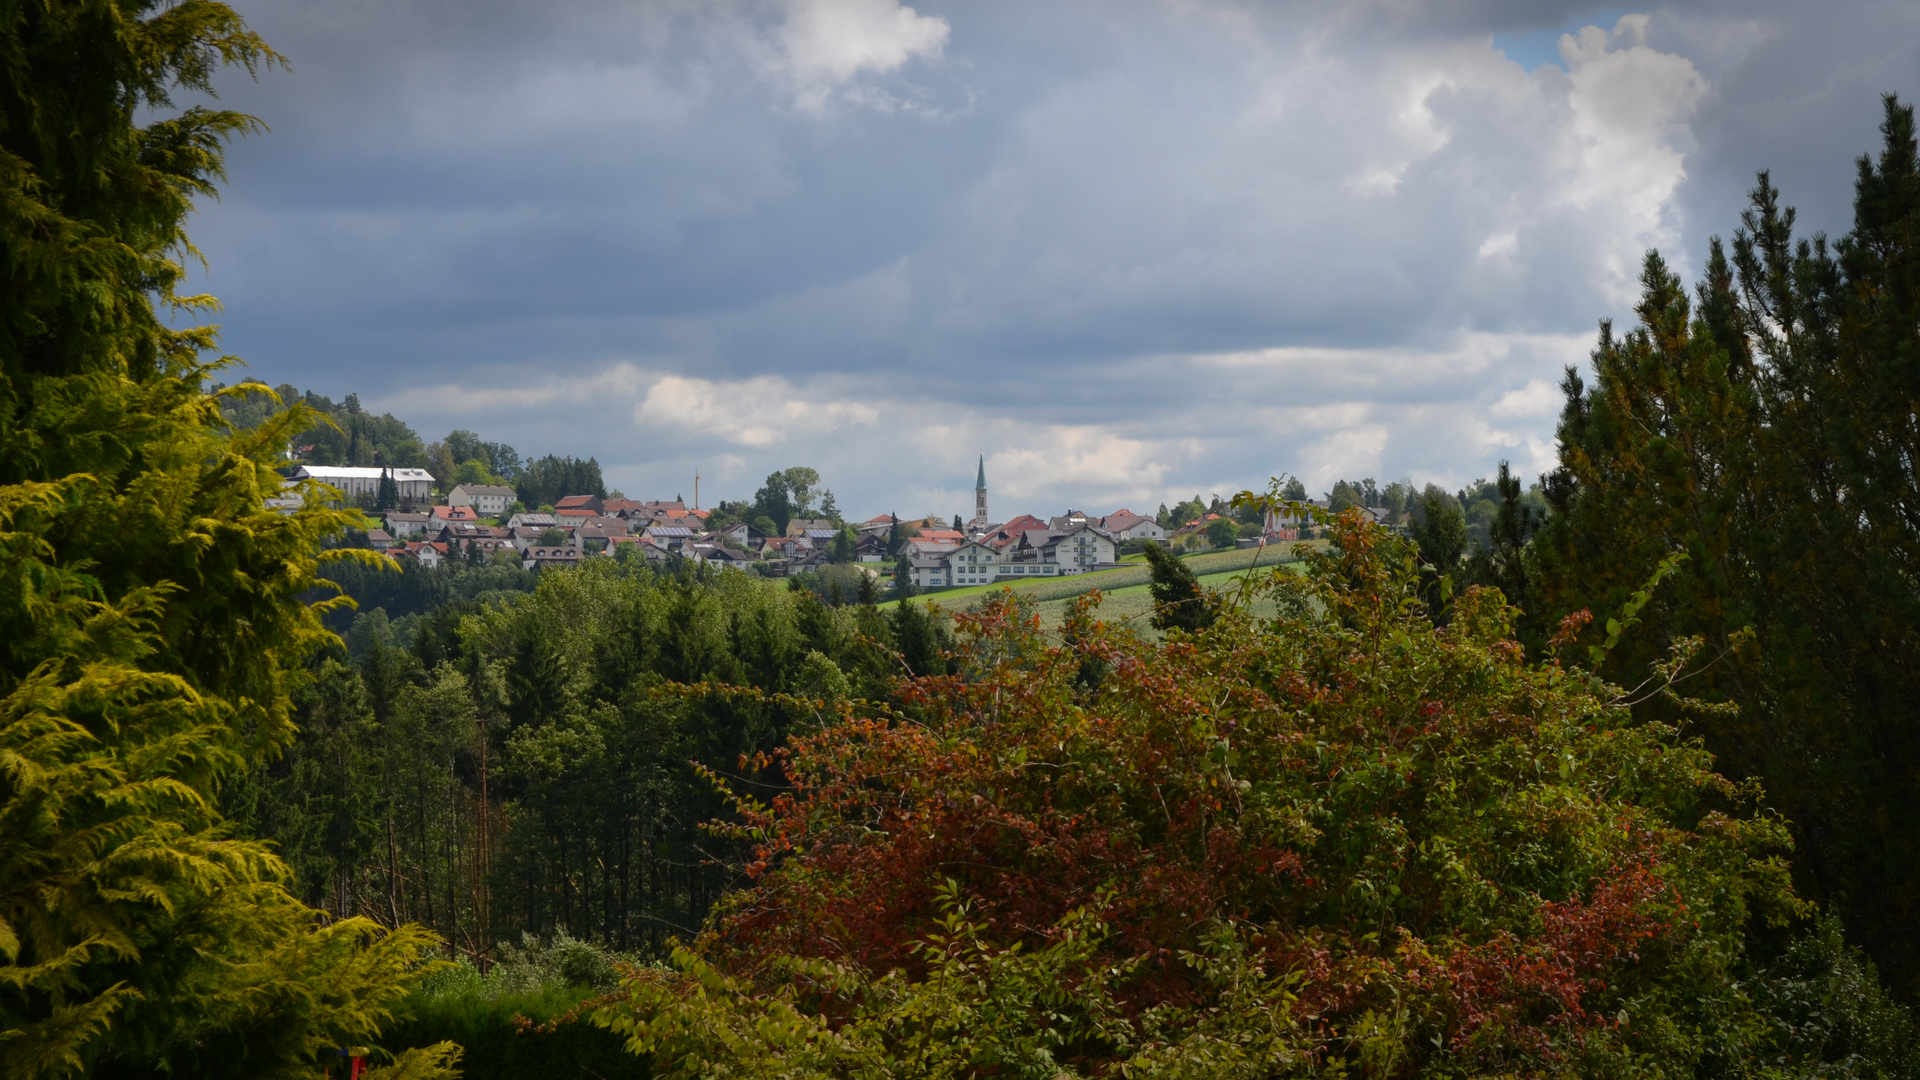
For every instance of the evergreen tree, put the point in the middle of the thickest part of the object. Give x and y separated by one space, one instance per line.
151 626
1439 532
389 494
1763 428
842 549
1178 599
1503 562
921 643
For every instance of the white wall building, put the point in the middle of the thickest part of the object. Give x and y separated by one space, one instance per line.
353 481
487 500
1080 549
1039 554
973 563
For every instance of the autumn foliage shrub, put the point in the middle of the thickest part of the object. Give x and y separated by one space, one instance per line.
1339 841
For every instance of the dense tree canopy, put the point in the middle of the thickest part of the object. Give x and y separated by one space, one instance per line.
1337 842
507 757
1764 427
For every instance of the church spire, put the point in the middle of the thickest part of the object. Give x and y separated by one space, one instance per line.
979 523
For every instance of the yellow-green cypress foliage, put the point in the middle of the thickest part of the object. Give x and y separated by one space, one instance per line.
150 616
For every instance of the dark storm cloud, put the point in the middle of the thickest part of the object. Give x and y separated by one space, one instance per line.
1802 100
1128 248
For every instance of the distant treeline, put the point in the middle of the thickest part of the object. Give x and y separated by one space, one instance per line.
358 437
500 761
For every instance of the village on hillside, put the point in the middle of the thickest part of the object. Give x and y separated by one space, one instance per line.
479 523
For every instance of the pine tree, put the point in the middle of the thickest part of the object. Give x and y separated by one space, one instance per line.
1178 599
1763 428
151 623
1502 563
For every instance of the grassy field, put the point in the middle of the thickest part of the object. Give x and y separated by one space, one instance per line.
1214 569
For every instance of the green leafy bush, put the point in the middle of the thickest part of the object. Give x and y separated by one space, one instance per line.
522 1018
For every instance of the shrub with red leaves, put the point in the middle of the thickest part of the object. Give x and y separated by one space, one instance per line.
1333 838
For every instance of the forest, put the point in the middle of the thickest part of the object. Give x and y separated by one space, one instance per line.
1609 775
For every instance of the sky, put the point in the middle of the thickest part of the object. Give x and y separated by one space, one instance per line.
1129 250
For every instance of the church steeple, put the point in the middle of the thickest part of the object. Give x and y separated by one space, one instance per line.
979 522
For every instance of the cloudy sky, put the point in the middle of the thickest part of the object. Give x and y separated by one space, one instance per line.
1131 250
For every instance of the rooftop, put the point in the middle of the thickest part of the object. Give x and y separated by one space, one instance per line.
357 472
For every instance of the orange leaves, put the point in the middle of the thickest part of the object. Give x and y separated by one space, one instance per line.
1512 993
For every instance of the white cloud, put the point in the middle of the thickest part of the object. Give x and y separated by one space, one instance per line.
1352 452
1631 104
827 44
760 413
1536 399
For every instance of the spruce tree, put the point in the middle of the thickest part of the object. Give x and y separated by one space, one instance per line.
389 495
151 621
1178 599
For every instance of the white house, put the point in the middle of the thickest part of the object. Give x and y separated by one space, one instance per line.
973 563
1079 549
353 481
406 526
931 573
976 563
487 500
1125 525
425 553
